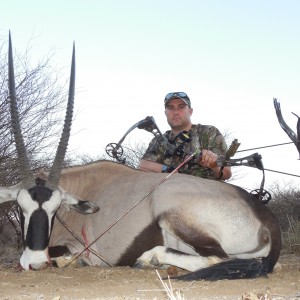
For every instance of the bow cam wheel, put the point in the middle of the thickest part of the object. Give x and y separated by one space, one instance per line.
263 195
114 150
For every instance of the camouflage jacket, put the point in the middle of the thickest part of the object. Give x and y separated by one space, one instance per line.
202 137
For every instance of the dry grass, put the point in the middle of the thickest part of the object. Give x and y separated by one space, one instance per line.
291 237
172 294
255 296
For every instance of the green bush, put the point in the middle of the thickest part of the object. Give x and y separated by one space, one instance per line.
285 204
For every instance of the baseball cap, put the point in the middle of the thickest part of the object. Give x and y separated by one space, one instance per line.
178 95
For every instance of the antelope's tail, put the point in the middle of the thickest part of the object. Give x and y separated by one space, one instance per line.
231 269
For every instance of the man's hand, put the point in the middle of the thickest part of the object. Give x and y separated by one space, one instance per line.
208 159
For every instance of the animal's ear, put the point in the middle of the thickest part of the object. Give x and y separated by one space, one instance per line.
9 193
72 202
86 207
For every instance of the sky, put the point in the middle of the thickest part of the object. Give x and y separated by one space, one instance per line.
231 57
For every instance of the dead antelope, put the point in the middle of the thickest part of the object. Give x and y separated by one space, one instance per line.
213 229
188 222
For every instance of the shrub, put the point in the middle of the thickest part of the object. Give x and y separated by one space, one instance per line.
286 206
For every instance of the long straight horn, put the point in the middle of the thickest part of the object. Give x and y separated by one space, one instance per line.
55 171
24 166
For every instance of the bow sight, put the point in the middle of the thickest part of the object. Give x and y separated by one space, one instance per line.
176 147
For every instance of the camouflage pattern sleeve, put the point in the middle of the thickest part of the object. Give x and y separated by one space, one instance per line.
211 139
155 151
202 137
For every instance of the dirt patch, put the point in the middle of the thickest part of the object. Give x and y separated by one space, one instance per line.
127 283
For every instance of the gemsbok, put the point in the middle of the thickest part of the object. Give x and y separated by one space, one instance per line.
213 229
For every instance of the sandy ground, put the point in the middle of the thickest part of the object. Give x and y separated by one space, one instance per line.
127 283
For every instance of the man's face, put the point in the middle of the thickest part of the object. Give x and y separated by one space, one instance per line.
178 115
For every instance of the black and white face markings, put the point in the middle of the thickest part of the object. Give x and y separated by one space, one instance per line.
38 206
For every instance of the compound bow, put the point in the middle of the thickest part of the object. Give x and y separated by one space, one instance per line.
115 151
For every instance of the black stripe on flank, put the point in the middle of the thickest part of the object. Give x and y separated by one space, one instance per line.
149 238
203 244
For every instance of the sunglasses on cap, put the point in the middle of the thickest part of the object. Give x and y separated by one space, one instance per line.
177 94
181 95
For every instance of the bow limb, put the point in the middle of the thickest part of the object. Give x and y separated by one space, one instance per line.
282 123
